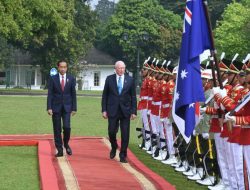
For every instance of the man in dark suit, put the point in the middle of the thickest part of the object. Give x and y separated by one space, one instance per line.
119 106
61 104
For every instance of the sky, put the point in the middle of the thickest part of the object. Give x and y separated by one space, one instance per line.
93 3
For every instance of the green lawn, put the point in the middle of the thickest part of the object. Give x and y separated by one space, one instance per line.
27 115
44 92
19 168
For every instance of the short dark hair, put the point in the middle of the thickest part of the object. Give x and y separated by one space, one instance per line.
60 61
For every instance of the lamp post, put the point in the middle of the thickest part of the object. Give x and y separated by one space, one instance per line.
139 39
138 70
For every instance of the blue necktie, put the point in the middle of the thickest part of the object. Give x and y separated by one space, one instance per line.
119 85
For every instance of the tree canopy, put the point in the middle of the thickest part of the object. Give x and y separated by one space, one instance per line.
135 19
105 9
26 22
232 32
216 8
50 30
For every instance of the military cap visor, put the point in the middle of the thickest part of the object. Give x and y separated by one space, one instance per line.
235 67
224 65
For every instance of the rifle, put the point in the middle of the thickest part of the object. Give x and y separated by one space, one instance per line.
242 103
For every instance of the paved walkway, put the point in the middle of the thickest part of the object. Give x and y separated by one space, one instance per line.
89 167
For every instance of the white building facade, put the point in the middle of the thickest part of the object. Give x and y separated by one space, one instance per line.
25 76
94 77
97 65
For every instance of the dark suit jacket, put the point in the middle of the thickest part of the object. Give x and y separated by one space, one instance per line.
111 100
58 99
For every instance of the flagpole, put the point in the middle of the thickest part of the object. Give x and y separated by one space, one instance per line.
212 51
213 71
214 58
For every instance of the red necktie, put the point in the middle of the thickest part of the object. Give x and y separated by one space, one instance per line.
62 83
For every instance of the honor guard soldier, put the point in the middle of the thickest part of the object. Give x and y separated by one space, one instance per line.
242 119
201 139
155 111
167 98
216 128
143 104
170 131
151 83
233 148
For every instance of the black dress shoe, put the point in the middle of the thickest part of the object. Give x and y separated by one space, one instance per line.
59 154
123 160
112 153
68 150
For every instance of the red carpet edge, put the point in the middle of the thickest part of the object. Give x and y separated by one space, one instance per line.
157 180
48 177
49 180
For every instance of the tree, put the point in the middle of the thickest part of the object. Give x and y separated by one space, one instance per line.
105 9
26 22
216 8
6 53
232 32
177 7
245 2
147 16
15 20
36 25
79 40
50 30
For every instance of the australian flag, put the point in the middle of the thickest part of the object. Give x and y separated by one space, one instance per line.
195 39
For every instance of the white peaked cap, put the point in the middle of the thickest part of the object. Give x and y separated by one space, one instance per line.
206 74
175 70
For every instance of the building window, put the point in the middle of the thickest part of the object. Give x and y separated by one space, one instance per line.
2 74
96 78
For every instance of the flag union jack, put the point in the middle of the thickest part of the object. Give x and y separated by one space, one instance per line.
188 16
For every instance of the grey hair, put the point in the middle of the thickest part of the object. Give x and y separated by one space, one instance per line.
119 63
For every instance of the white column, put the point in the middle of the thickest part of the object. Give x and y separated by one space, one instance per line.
19 75
36 76
16 76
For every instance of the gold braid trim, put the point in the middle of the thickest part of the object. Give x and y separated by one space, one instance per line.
244 122
217 98
198 146
237 121
210 148
210 145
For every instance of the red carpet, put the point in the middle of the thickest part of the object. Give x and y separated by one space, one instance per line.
94 170
90 163
47 172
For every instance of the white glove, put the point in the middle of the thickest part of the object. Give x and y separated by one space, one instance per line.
203 109
226 119
167 121
230 118
215 90
222 107
148 112
223 93
205 135
216 105
162 120
194 133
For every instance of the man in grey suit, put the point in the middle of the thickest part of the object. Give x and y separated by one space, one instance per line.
119 106
61 104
